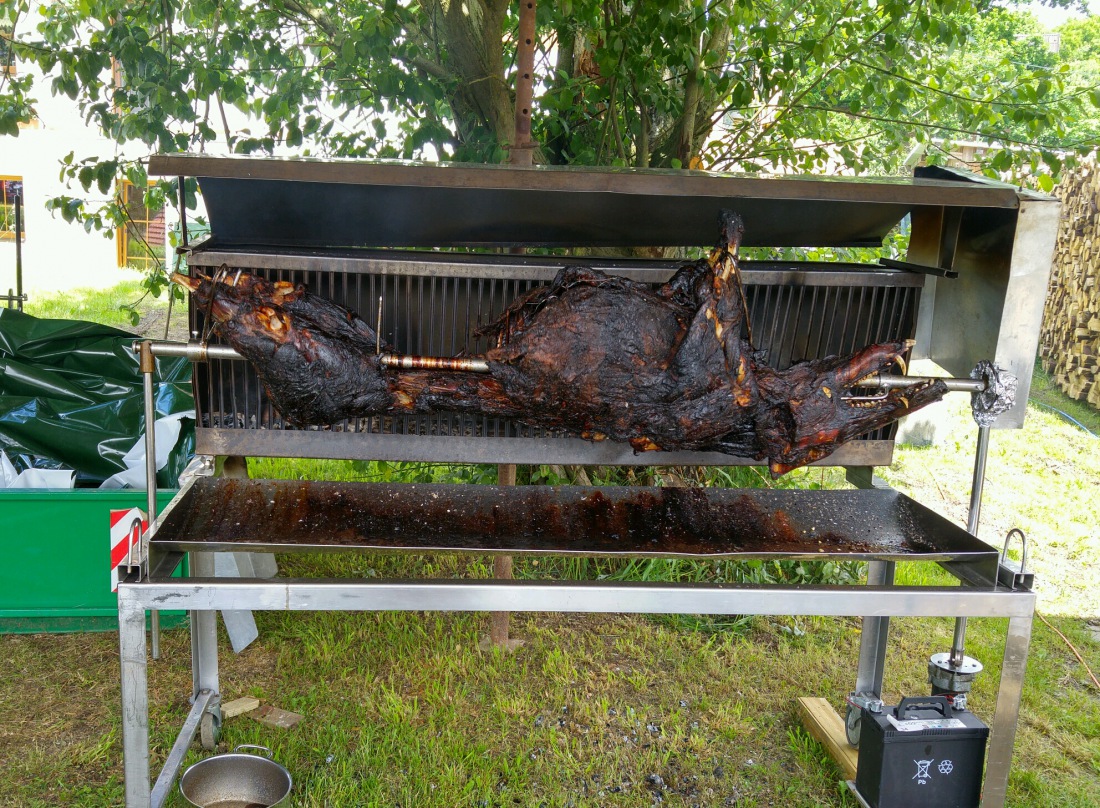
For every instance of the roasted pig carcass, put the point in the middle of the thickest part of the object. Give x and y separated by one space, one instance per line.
592 354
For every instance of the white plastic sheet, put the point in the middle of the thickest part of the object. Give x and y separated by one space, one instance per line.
166 432
33 478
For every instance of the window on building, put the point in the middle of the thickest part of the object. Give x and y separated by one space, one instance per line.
11 188
140 240
7 58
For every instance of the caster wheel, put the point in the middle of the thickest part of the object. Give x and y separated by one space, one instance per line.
852 723
210 727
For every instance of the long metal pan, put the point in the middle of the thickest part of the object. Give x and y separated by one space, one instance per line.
218 514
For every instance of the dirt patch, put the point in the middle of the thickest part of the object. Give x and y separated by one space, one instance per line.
153 321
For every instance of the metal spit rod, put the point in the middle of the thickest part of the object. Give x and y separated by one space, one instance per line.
434 363
195 350
891 381
201 352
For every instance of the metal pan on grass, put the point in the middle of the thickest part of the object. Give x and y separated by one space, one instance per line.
236 780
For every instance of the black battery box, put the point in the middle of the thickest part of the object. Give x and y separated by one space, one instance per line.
921 753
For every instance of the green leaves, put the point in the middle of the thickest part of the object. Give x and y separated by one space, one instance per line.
16 106
747 85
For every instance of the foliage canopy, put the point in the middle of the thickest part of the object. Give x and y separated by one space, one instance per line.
746 85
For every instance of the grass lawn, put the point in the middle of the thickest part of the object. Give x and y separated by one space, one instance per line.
113 307
405 709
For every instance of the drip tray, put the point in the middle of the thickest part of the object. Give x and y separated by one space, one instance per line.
217 514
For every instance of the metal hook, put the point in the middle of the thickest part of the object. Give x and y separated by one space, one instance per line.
208 322
1023 548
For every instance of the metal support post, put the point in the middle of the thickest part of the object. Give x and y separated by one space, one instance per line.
958 643
520 156
952 674
981 454
204 655
873 637
1003 735
502 570
874 634
135 696
148 366
204 636
17 198
183 212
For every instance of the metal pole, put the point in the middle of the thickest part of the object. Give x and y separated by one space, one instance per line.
873 635
520 156
148 366
204 634
958 643
135 697
892 381
174 762
525 64
17 197
502 569
194 350
183 214
981 453
1009 692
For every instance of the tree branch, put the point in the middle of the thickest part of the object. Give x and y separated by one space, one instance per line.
430 67
931 126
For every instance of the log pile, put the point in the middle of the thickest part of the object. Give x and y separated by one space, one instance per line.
1069 344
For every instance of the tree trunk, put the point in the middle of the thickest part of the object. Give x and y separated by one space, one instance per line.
565 71
471 34
700 102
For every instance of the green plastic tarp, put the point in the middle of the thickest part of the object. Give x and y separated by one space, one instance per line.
71 397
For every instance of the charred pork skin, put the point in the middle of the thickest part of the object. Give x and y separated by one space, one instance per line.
595 355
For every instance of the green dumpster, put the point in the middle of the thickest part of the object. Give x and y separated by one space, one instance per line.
71 398
55 559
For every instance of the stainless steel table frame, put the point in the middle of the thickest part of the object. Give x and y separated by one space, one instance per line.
204 595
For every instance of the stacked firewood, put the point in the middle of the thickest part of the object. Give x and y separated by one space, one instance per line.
1069 344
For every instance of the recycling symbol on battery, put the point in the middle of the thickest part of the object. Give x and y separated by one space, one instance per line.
923 774
946 767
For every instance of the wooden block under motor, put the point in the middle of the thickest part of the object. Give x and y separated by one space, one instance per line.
823 723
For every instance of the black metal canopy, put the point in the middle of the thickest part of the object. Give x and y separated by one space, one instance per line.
308 203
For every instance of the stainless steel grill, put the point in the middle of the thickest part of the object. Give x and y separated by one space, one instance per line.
970 288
